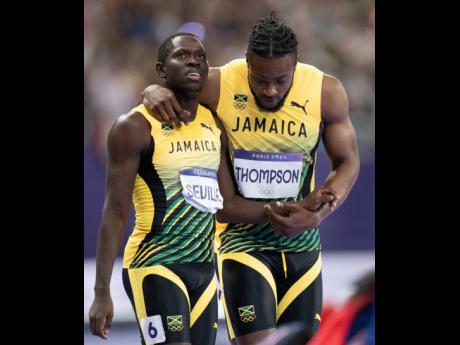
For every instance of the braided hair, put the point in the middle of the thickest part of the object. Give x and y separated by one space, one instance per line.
270 37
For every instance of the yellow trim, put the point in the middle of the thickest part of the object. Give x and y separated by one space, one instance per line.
299 286
136 277
312 182
148 252
283 257
203 301
231 332
317 317
144 220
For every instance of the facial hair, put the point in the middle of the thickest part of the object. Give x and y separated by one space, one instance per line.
278 106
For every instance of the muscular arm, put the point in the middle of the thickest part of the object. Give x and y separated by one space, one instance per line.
339 139
340 142
236 208
127 138
163 105
211 90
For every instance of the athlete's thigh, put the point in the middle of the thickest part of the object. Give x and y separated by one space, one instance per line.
302 296
204 329
203 317
160 304
249 294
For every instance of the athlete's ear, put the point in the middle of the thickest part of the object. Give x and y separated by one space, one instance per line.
160 70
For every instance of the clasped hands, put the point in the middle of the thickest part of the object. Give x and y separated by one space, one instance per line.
293 218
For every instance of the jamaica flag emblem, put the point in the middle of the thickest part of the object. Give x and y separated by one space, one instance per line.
247 313
167 129
175 323
240 101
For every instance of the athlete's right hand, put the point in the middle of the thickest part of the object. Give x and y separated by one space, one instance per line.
101 315
164 106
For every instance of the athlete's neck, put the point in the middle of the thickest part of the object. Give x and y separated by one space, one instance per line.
188 102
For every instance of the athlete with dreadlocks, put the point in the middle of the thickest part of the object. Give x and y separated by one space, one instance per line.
274 110
177 178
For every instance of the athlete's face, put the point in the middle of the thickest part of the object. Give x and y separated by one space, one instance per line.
270 79
186 66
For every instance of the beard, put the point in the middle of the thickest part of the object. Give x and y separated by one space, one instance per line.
277 107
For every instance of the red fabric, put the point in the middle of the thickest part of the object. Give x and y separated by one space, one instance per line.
327 310
335 330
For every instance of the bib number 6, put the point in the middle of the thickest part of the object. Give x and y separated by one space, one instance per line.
152 331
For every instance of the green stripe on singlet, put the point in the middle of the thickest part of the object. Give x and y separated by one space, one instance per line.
175 221
253 237
186 223
175 199
180 252
194 243
172 192
172 242
160 239
153 241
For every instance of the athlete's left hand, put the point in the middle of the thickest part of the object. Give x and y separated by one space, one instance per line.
319 197
291 219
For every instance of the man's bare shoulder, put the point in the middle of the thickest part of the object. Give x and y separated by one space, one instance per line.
132 129
334 99
211 92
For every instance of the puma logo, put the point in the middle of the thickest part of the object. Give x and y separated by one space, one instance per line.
295 104
208 127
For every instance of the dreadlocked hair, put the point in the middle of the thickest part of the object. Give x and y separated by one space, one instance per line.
270 37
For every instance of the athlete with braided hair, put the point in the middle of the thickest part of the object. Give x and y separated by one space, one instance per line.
275 111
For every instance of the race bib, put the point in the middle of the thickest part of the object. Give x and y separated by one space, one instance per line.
200 189
268 175
152 330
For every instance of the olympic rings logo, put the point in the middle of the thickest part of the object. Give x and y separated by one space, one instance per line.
239 105
266 192
248 318
175 328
